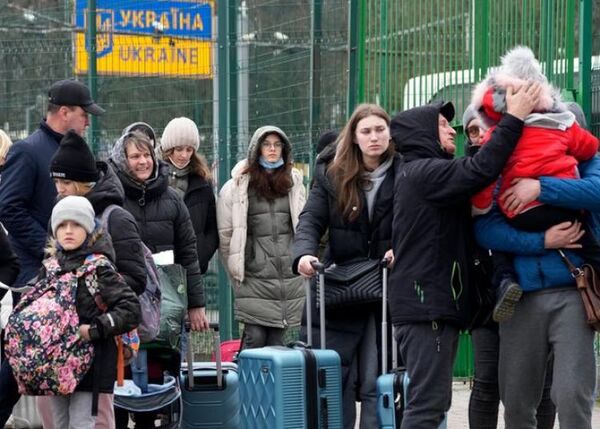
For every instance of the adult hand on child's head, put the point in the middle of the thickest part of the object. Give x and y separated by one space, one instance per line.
565 235
198 320
522 191
521 102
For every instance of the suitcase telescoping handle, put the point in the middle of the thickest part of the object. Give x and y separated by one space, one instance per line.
384 323
214 327
320 269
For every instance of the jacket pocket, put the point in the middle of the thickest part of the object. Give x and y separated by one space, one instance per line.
456 285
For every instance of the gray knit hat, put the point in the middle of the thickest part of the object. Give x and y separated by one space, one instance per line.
180 132
468 116
576 109
76 209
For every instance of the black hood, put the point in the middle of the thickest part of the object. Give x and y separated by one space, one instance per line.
416 133
324 158
108 190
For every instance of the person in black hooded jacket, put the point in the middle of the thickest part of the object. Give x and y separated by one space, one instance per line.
164 221
429 283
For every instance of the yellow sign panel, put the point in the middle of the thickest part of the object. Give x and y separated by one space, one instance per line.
146 56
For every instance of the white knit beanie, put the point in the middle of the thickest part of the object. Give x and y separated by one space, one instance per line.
76 209
180 132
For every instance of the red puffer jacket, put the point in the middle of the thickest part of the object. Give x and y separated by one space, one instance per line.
539 152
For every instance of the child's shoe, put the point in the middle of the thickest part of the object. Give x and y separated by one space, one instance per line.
507 295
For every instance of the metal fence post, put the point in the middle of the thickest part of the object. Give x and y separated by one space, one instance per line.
225 300
92 72
585 57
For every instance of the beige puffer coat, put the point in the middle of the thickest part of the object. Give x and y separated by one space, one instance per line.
232 217
232 213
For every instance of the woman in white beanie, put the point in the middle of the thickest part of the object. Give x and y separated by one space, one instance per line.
190 177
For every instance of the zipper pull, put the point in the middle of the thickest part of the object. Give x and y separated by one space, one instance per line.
438 344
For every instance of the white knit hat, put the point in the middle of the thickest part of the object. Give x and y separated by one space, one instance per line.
76 209
180 132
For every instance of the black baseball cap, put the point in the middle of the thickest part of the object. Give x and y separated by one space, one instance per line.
447 110
71 92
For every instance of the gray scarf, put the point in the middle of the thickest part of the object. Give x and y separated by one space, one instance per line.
178 178
376 177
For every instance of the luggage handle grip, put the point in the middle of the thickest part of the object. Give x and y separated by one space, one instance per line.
317 266
214 326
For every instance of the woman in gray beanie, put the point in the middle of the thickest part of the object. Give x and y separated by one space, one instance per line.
190 177
257 214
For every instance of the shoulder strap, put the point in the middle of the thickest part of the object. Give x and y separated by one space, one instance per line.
575 271
105 218
91 263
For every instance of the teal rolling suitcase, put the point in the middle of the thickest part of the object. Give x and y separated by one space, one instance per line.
293 387
211 396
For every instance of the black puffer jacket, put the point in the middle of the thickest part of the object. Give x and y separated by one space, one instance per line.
432 217
9 265
200 201
347 240
122 303
164 223
122 227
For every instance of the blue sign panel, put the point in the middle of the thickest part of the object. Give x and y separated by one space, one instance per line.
170 18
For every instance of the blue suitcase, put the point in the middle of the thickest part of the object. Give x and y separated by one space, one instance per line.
210 398
391 399
392 386
291 387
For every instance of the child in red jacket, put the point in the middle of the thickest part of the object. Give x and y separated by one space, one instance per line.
552 144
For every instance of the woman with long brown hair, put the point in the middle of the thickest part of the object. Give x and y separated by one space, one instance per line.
190 177
352 198
257 214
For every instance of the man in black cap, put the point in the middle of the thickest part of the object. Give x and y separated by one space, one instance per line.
27 193
431 232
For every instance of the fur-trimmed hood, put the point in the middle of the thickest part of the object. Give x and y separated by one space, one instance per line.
518 67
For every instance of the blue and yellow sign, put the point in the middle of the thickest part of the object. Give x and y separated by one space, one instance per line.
147 38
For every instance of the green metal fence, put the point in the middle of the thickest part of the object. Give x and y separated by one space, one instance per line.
418 51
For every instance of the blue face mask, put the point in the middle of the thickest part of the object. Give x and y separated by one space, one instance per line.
270 165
